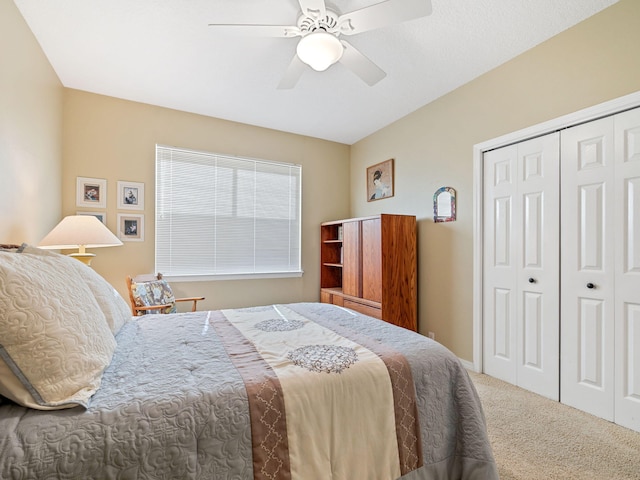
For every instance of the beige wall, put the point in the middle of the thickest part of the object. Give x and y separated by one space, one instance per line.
591 63
115 140
30 133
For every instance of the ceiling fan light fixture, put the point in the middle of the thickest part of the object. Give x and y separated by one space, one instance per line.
319 50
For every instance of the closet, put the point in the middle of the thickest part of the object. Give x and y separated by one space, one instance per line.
561 266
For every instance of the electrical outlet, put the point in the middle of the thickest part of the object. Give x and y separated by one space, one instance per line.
432 335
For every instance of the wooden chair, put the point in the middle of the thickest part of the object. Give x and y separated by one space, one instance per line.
154 295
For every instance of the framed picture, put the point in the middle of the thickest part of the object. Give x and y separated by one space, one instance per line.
131 227
380 181
91 192
444 205
102 216
131 196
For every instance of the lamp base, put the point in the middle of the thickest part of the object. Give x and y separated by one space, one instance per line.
83 257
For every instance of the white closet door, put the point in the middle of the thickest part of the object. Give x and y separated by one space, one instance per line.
627 277
501 204
587 265
521 277
538 273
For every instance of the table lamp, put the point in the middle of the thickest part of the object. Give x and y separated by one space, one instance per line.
81 232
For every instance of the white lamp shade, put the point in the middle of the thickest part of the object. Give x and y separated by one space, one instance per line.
319 50
79 231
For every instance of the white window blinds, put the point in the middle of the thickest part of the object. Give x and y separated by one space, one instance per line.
219 215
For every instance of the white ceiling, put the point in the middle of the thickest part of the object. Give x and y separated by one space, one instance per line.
162 52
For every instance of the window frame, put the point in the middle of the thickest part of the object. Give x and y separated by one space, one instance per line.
293 218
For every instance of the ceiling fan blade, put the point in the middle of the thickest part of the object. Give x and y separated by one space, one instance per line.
313 7
382 14
293 74
368 71
257 30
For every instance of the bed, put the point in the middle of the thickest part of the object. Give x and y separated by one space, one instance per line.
295 391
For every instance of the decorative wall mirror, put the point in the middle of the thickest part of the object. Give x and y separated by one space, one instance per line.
444 205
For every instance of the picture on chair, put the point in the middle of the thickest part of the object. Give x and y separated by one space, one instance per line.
130 227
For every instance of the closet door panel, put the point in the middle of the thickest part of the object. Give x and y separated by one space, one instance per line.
500 266
627 277
538 277
591 220
532 356
503 347
591 323
533 229
587 312
631 226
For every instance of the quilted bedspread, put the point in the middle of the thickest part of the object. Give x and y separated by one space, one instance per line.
176 403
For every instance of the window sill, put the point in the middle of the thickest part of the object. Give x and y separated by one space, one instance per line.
230 276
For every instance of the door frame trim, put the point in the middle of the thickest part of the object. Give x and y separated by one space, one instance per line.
605 109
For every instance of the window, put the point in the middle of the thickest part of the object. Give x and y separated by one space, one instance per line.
225 216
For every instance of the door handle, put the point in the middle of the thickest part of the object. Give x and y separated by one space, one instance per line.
590 285
532 280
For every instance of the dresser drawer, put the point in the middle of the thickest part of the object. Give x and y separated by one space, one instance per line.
362 308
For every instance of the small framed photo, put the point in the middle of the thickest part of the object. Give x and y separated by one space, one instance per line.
102 216
91 192
380 181
131 227
131 196
444 205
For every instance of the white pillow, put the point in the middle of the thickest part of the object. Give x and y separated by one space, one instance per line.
54 338
115 308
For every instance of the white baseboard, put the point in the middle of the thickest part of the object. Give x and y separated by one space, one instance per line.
468 365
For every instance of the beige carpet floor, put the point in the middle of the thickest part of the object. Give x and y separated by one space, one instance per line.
534 438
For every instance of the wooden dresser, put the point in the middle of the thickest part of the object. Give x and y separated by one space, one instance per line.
369 264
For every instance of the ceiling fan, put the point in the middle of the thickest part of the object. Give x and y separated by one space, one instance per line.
320 29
